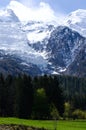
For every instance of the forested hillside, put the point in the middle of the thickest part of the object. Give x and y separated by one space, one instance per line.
43 97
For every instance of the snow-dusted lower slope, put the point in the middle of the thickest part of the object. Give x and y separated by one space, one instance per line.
78 66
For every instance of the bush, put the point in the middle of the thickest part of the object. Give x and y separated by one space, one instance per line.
79 114
67 110
54 112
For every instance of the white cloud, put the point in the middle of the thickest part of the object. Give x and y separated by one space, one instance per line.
44 12
40 12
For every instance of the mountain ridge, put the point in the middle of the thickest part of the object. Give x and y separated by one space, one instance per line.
46 47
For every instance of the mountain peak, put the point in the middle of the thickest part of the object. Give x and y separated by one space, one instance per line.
7 15
80 10
19 9
77 21
78 13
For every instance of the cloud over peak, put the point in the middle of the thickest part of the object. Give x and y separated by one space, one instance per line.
41 12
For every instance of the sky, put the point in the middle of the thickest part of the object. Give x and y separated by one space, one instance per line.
62 6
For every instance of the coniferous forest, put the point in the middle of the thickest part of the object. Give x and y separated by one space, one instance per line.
43 97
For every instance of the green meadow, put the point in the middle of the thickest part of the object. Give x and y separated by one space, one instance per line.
50 125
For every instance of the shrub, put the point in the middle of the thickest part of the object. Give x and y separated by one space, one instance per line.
79 114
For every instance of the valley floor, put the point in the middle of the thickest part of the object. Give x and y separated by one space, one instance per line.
50 125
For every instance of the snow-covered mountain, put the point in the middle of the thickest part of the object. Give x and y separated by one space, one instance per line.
64 43
14 42
7 15
34 44
77 21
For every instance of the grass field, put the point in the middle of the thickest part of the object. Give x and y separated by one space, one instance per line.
61 125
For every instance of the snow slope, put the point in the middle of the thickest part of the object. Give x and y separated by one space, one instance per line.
14 41
7 15
37 31
77 21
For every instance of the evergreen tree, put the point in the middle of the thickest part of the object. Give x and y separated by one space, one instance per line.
40 106
9 95
2 96
23 97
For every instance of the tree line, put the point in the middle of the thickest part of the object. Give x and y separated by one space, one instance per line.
41 97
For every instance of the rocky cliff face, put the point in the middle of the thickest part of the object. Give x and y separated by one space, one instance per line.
64 48
78 67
